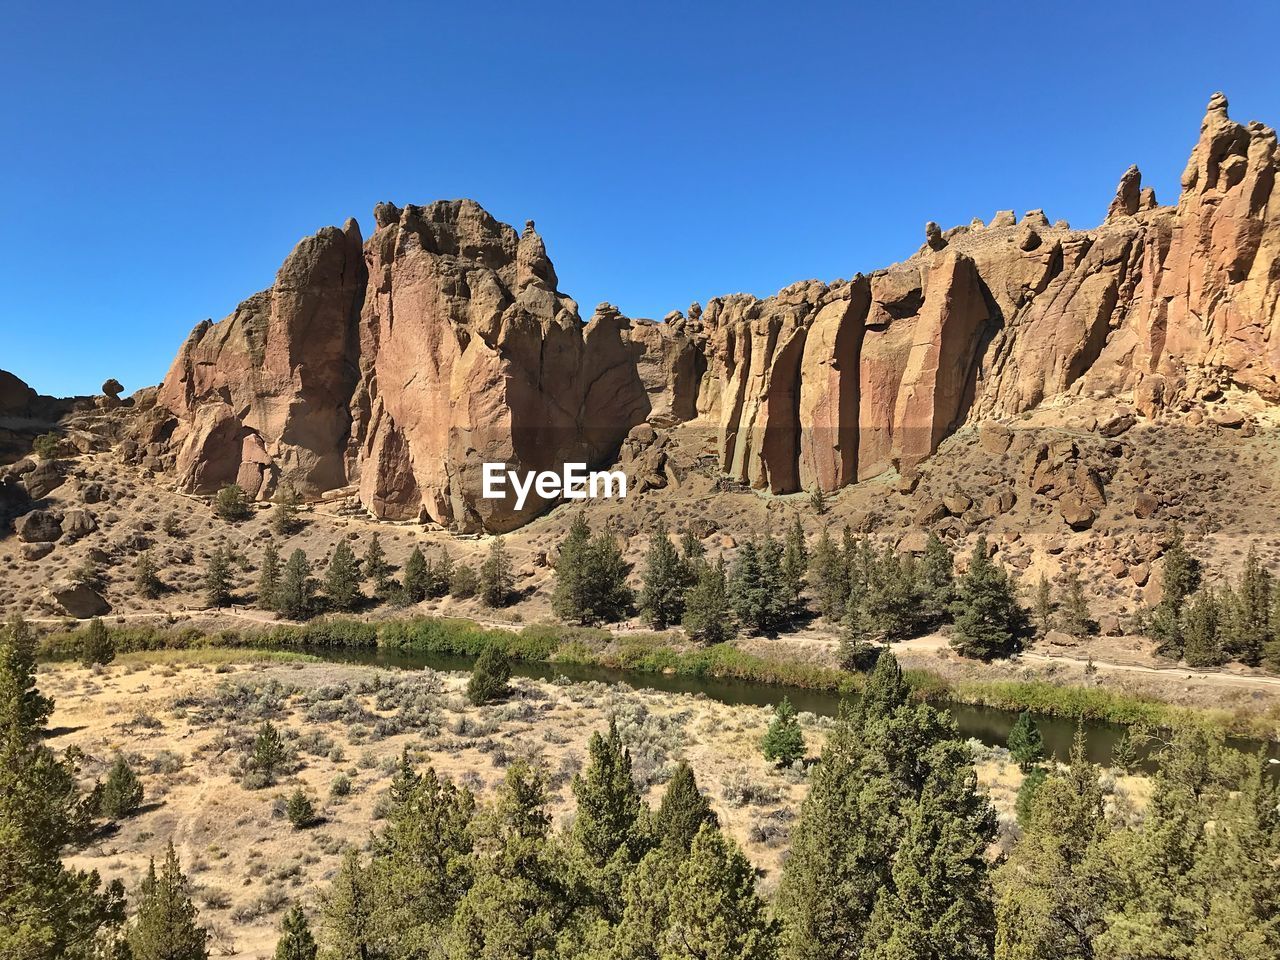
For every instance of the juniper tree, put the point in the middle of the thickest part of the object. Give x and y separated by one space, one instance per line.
829 575
708 614
231 504
1042 606
293 597
496 577
795 561
608 800
783 742
146 579
376 568
296 941
989 622
569 598
122 794
1248 625
463 582
284 517
1073 609
691 547
440 575
817 500
269 752
217 578
96 645
1026 745
1181 578
1201 643
489 676
347 912
935 582
268 577
342 579
165 926
300 810
755 585
665 581
683 810
415 576
22 706
591 576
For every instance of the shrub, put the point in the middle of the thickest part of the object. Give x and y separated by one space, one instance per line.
121 795
300 810
46 446
232 504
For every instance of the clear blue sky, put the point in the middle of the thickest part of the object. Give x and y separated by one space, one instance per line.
158 161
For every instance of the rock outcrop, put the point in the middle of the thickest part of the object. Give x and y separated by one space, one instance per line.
402 364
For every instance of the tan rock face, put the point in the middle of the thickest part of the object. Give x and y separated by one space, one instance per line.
445 343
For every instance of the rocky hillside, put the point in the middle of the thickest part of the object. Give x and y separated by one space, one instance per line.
393 367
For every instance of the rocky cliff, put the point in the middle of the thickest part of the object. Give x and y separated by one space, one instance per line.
400 364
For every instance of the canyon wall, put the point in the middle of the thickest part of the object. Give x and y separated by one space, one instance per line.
400 364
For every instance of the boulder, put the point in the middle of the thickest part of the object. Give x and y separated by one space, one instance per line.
39 526
43 478
36 551
78 600
1078 514
77 523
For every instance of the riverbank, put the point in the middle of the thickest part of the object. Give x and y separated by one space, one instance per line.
772 663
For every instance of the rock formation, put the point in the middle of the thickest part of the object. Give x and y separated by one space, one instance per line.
398 366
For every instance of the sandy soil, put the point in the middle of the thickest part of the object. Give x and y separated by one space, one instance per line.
186 726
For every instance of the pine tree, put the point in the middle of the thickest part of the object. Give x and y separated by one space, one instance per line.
97 647
463 582
293 597
46 909
829 575
268 577
1201 645
165 926
666 580
1248 626
347 910
795 562
783 742
716 913
496 577
300 810
1073 610
146 579
342 579
569 598
755 586
608 800
591 577
440 575
818 500
121 795
889 609
708 615
683 810
284 518
296 941
269 752
989 621
489 676
936 582
217 578
1026 745
376 568
691 547
1181 579
231 504
415 576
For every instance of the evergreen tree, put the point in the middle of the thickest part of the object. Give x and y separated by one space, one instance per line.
97 647
715 912
342 579
989 621
1124 755
46 909
1026 745
146 579
268 577
415 576
1073 610
517 904
284 517
422 864
463 582
569 599
1201 645
818 500
376 568
300 810
666 580
829 575
1031 784
217 578
293 597
1248 626
1181 579
489 676
683 810
591 577
440 575
165 926
608 800
889 608
347 912
795 562
1052 894
269 752
296 941
755 586
935 582
496 577
691 547
783 742
708 615
121 795
231 504
886 688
